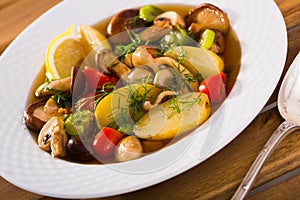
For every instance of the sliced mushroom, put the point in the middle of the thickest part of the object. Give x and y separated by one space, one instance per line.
153 33
108 60
169 18
160 98
53 137
219 43
49 88
163 24
141 56
34 116
185 73
207 16
141 74
128 60
126 19
129 148
103 59
51 109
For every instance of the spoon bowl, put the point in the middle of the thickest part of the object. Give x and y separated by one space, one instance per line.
289 108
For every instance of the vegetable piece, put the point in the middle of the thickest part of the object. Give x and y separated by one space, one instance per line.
149 12
214 87
53 137
123 106
79 123
34 116
129 148
105 142
77 150
199 61
95 79
174 117
207 39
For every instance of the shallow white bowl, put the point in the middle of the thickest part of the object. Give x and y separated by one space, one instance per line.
262 33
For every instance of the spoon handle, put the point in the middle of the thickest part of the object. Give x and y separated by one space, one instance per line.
283 130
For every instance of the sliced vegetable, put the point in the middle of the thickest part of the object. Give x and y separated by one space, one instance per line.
174 117
95 79
214 87
123 106
149 12
207 39
199 61
105 142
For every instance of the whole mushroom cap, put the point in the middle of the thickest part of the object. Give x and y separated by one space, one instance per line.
208 16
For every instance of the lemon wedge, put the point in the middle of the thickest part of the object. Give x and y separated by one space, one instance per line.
92 39
63 52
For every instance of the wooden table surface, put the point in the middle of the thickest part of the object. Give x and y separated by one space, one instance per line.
219 176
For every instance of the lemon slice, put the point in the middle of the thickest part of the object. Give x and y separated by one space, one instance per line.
63 52
197 60
92 39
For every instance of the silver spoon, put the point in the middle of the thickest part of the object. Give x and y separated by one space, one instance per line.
289 108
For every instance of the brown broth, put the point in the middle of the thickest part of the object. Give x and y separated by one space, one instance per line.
231 56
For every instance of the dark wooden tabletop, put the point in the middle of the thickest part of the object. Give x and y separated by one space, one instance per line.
219 176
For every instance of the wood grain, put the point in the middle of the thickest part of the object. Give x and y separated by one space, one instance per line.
18 14
220 175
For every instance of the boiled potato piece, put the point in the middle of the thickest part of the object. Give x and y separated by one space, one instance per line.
123 106
174 117
198 60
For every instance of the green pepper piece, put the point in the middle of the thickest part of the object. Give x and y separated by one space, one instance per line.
149 12
207 39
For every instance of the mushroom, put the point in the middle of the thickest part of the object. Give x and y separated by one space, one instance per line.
108 60
126 19
160 98
207 16
169 18
129 148
53 137
219 43
49 88
34 116
153 33
141 74
184 72
141 56
163 24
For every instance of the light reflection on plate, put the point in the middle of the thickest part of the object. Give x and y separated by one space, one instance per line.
25 165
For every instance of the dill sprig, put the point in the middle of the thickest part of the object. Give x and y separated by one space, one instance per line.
122 50
62 99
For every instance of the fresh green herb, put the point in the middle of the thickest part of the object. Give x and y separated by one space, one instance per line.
62 99
122 50
134 21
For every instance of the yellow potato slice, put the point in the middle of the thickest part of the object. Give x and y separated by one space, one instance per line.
174 117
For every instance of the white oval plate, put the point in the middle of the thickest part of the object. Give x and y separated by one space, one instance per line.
262 33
